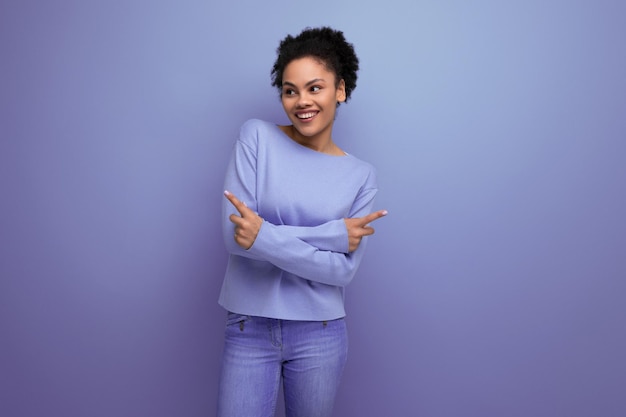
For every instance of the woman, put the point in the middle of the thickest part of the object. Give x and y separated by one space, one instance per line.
296 211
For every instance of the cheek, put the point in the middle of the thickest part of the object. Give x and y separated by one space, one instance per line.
332 101
287 108
287 101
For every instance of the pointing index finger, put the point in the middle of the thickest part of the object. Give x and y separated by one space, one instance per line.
239 205
365 220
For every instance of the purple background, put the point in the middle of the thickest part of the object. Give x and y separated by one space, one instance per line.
495 287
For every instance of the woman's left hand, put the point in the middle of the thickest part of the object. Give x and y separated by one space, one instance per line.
247 225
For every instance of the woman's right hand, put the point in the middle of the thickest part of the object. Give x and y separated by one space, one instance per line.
360 226
247 224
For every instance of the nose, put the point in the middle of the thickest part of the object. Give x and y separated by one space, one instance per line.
303 100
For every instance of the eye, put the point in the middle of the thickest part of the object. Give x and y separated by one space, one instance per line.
289 92
316 89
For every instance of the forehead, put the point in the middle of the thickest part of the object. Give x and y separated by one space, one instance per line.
302 70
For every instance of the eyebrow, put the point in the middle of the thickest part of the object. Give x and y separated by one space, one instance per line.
307 84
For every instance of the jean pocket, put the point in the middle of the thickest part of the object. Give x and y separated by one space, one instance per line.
236 319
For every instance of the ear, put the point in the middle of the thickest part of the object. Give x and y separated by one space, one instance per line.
341 92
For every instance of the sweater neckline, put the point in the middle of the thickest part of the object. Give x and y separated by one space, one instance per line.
286 136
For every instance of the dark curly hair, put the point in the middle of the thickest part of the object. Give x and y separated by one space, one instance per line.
325 44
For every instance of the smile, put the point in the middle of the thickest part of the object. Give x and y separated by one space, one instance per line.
306 116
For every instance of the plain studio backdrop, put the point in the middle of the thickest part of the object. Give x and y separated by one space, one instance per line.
494 288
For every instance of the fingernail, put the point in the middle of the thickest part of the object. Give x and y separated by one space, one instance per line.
226 192
385 212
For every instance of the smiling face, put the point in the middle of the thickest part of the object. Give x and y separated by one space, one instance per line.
310 93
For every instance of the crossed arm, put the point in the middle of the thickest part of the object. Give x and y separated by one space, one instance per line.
248 223
291 249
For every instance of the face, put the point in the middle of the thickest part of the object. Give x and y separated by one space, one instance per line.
309 95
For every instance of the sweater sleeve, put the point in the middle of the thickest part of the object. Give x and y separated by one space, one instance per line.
241 181
330 236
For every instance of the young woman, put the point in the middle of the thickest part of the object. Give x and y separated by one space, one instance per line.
296 212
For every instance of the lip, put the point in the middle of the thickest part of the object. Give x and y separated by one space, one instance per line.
299 113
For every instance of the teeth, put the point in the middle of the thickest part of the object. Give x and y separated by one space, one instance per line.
305 115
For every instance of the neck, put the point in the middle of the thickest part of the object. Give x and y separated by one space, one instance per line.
321 142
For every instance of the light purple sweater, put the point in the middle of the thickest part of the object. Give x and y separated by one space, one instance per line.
299 263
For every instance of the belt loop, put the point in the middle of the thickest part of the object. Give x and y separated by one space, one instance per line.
241 325
325 323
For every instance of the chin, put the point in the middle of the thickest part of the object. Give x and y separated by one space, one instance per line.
308 132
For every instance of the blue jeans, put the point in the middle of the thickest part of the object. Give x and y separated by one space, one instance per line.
308 356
